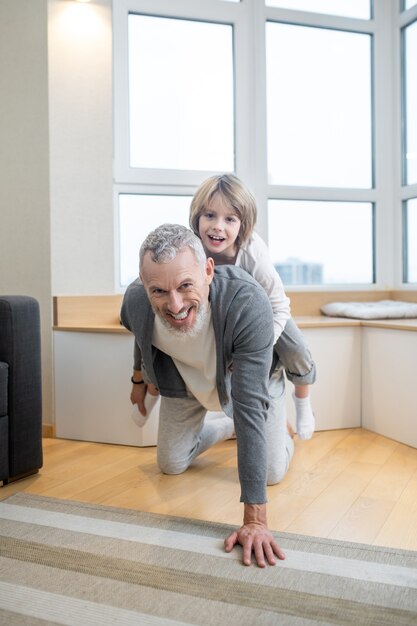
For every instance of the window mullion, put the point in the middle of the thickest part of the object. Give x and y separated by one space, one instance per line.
387 144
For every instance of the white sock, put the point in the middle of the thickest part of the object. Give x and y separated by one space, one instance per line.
304 417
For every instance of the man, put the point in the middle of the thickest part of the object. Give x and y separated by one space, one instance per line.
204 339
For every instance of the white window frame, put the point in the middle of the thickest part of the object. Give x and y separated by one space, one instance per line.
248 19
213 11
407 192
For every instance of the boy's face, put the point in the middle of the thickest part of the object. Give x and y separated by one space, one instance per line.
218 227
178 290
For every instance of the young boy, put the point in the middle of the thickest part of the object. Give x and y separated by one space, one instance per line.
223 214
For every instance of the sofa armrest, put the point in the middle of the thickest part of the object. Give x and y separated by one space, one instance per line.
4 420
20 348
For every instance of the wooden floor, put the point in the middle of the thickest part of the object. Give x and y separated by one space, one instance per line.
345 484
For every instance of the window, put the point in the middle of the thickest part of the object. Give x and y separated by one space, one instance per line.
410 265
175 114
409 141
410 102
176 121
139 214
301 99
319 107
321 242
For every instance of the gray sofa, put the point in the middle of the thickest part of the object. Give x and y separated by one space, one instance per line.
20 388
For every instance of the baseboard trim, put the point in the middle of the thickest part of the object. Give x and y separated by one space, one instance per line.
48 431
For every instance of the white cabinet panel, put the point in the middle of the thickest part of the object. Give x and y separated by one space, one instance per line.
92 389
365 376
92 385
336 394
389 389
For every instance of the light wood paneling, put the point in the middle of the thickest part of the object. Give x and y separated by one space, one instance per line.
103 311
84 311
309 303
404 296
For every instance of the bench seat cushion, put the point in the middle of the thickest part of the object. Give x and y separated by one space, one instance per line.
383 309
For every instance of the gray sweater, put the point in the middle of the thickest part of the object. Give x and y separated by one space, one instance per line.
243 327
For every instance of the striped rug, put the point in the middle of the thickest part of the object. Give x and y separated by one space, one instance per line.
64 562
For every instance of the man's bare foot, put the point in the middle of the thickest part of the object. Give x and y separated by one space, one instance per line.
291 431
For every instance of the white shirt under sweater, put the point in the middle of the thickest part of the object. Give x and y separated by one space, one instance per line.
195 359
254 257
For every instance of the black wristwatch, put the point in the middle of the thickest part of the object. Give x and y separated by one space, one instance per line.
137 382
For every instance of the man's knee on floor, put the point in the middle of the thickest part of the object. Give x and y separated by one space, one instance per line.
276 475
173 466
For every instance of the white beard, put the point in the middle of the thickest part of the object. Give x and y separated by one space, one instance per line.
186 332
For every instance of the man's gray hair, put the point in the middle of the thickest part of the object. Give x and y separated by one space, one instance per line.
166 241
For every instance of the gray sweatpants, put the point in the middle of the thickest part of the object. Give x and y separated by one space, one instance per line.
184 433
295 356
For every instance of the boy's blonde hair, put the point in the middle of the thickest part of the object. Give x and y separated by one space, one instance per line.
234 193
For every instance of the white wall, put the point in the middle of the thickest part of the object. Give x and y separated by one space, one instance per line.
56 199
24 165
80 129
